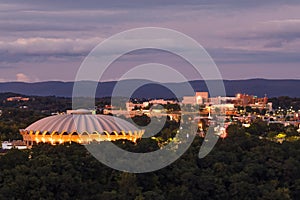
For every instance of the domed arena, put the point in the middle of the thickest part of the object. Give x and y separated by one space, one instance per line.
80 128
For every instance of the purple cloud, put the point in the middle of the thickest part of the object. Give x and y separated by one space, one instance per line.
37 37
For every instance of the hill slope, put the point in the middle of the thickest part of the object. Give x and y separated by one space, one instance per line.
259 87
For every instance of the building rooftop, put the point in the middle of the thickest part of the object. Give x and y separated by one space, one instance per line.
81 123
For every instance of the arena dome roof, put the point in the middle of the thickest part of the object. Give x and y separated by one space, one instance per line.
81 123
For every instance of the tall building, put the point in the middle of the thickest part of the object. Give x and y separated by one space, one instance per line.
199 98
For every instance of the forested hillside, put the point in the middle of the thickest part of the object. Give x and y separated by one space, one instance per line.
239 167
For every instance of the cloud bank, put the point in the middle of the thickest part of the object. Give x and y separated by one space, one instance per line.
39 36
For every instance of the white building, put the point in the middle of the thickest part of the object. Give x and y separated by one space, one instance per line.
189 100
162 101
199 98
220 100
14 144
223 107
130 106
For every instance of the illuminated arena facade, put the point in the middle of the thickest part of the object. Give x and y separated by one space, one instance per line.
80 128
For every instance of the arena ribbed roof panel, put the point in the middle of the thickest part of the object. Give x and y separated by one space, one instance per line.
81 123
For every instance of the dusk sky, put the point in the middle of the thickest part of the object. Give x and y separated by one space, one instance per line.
48 40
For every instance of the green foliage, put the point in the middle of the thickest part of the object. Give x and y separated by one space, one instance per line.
258 127
143 120
276 127
172 107
15 116
13 119
285 102
239 167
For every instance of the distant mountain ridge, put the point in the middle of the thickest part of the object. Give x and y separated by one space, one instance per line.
258 87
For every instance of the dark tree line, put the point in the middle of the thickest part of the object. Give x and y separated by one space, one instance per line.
239 167
285 102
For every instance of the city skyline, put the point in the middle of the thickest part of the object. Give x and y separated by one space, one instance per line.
42 41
